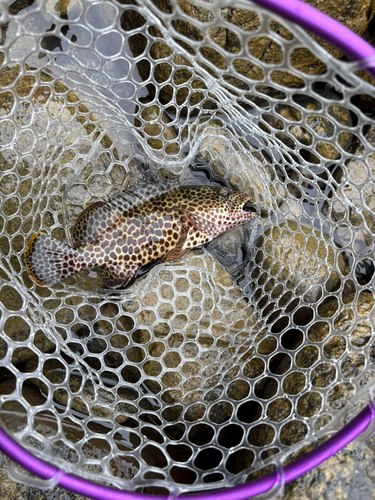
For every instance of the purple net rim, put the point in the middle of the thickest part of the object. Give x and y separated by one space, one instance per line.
364 55
57 477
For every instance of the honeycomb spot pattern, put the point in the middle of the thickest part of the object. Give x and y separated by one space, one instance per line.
207 366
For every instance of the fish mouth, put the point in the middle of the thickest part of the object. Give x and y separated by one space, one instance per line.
248 208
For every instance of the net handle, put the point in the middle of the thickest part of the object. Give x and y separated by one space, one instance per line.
48 472
311 19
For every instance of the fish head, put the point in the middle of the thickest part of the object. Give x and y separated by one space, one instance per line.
232 208
219 208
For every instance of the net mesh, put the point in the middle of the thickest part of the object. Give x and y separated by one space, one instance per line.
214 368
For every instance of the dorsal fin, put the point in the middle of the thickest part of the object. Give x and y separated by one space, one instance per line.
92 222
145 193
124 201
135 196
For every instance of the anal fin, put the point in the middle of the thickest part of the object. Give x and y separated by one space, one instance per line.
118 276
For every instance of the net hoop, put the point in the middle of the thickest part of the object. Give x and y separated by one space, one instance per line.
56 477
363 57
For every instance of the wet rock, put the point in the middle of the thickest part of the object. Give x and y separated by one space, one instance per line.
166 133
14 413
370 136
355 15
103 398
17 329
335 346
263 48
10 298
43 343
323 127
23 354
279 409
159 50
18 491
207 318
62 397
363 101
297 257
348 473
204 345
231 249
3 348
216 149
7 386
364 305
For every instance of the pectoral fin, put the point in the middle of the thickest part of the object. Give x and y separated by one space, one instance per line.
203 225
198 227
178 250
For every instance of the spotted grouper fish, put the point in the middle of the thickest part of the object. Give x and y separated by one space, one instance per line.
129 231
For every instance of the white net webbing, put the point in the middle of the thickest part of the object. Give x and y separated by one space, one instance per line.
219 366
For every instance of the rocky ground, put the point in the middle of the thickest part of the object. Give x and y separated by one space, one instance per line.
350 472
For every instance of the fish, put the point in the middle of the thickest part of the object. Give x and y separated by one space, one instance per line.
131 230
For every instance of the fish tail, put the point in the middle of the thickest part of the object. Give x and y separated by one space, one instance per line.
48 260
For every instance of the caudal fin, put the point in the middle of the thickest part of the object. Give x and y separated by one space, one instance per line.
48 260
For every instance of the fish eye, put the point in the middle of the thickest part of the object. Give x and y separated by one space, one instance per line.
224 193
